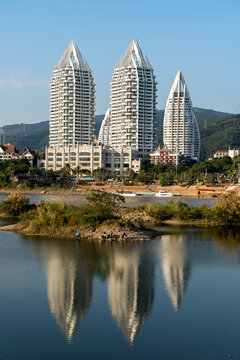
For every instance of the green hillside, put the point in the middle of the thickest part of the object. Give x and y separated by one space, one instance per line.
218 133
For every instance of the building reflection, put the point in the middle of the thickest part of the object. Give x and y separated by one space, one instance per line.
69 292
69 284
131 288
175 266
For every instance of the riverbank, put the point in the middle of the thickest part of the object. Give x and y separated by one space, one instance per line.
104 218
206 191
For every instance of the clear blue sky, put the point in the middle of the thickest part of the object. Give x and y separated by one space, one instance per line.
199 37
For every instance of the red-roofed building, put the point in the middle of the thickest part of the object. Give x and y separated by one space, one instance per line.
164 156
8 152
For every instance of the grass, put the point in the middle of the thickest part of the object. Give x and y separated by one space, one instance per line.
225 212
61 218
31 234
51 217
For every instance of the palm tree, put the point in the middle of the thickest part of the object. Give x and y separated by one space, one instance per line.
77 171
66 172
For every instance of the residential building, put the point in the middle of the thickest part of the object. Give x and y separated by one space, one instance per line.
180 128
30 155
90 158
104 137
2 136
71 101
165 156
133 102
8 152
227 151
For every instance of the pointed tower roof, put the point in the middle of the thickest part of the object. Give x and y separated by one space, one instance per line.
73 56
179 84
133 55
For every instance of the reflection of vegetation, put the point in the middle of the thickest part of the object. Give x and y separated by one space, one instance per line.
229 237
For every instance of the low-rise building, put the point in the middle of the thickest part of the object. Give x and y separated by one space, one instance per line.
92 157
164 156
8 152
30 155
227 151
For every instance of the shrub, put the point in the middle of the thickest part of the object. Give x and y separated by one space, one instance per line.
15 205
179 210
53 216
227 210
159 211
104 198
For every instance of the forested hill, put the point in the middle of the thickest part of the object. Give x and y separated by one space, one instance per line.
220 132
211 122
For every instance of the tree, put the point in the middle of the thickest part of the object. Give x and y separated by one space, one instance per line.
143 176
65 172
163 180
36 171
129 175
102 174
77 171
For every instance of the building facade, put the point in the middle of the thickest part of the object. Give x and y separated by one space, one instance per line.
30 155
90 158
180 128
8 152
227 151
104 137
2 136
165 156
133 102
72 101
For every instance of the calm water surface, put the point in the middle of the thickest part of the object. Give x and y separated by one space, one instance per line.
176 297
129 201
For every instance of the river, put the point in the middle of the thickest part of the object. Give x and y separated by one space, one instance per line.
175 297
129 201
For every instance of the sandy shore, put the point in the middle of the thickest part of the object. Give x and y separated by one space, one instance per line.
185 191
99 234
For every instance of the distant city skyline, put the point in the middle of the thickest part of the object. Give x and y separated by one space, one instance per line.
200 38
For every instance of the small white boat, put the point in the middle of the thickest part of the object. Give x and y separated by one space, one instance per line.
128 194
163 193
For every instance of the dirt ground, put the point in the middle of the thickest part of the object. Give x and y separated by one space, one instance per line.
186 191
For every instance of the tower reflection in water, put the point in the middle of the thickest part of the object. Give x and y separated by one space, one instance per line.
173 252
130 288
129 269
69 285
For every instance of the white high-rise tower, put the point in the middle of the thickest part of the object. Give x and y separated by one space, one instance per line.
104 136
133 102
71 101
180 127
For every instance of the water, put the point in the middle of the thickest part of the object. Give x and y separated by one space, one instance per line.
129 201
175 297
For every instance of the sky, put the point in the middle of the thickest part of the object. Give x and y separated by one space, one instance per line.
199 37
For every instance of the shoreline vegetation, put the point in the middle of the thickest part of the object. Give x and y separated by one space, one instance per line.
104 217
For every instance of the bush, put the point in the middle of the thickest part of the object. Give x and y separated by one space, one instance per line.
159 211
179 210
227 210
105 199
15 205
52 216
